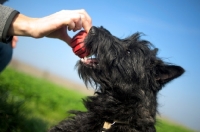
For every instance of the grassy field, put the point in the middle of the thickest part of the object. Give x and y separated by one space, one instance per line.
31 104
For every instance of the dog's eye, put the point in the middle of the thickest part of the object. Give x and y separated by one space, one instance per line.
128 51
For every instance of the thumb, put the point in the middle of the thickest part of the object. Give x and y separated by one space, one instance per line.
65 37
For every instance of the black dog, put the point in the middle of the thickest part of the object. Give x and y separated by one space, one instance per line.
127 75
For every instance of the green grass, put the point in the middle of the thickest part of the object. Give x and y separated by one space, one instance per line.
167 126
42 104
42 100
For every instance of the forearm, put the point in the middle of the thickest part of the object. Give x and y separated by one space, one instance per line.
21 26
52 26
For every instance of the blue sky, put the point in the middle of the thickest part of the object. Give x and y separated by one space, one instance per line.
172 26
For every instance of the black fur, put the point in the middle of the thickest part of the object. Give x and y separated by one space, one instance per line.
127 75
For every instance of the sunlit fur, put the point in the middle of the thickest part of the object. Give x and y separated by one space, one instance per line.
127 78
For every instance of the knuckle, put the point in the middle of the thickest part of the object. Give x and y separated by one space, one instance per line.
83 10
63 11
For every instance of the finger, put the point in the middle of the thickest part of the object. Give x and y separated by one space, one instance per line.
61 34
88 18
71 25
78 24
86 24
87 21
87 27
66 37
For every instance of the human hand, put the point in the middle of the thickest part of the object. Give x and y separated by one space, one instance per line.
52 26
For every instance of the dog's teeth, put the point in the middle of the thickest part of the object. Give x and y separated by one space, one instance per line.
84 60
93 56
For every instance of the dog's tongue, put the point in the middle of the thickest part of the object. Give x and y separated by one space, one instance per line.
78 46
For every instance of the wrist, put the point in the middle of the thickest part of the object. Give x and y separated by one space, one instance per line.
21 26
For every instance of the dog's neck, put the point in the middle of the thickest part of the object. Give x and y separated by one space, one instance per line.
128 110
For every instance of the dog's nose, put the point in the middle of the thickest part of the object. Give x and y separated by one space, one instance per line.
92 30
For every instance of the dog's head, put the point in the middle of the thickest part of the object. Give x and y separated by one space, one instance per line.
125 64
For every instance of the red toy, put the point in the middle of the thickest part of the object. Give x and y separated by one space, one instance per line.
77 44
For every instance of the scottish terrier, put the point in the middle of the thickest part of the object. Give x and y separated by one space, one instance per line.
127 76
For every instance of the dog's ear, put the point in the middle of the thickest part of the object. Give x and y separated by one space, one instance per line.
167 73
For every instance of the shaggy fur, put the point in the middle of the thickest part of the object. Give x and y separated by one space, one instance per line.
127 75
